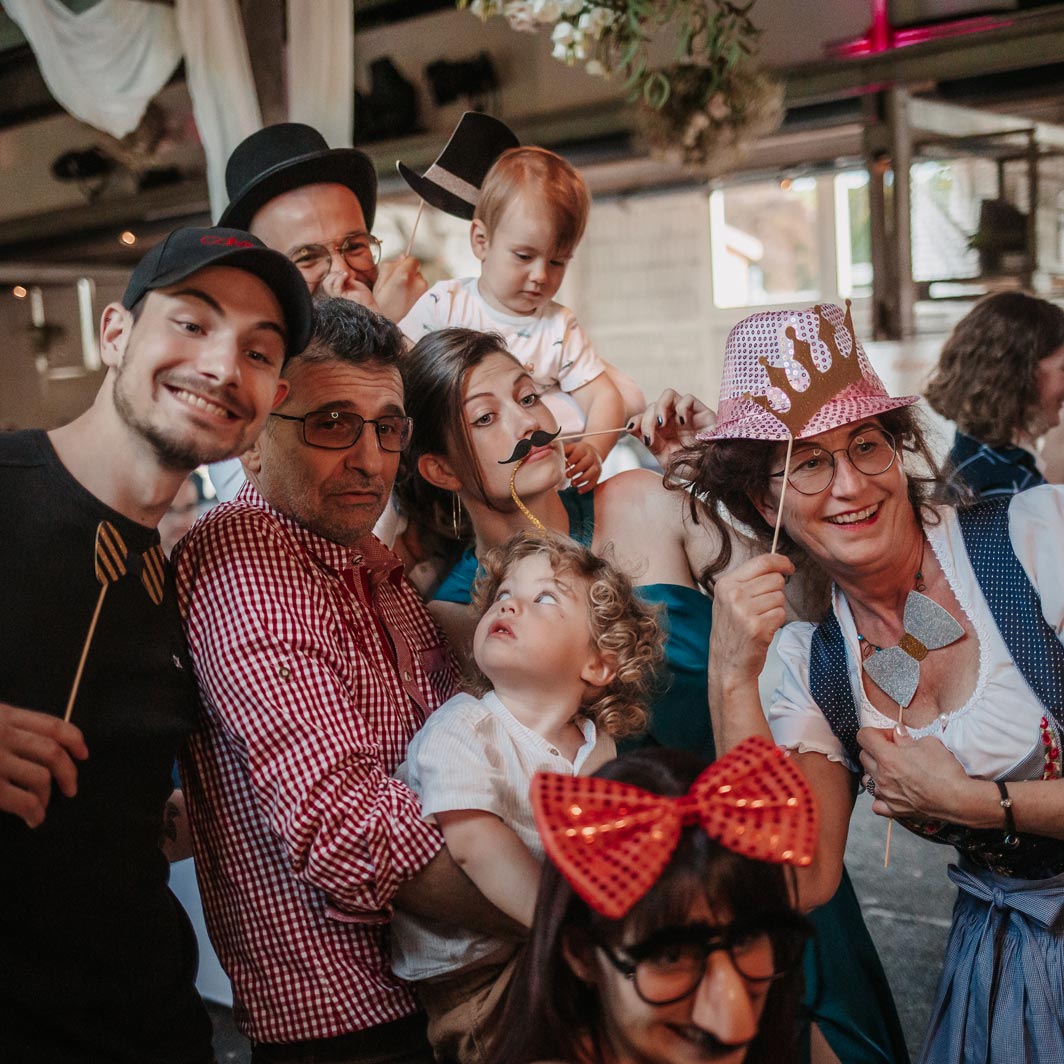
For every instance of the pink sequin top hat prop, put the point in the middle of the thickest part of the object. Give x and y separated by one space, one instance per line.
796 373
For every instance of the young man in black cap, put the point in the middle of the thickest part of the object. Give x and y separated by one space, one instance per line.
97 961
316 204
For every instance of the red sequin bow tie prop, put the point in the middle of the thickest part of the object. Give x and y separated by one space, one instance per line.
611 840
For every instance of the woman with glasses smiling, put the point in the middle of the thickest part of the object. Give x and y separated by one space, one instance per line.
674 950
937 677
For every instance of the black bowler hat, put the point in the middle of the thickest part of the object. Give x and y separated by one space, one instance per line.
290 155
452 183
185 251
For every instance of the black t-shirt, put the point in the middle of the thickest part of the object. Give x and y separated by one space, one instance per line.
97 959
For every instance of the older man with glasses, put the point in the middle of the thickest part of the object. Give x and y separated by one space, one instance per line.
316 662
316 205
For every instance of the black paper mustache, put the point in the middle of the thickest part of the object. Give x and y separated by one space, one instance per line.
539 438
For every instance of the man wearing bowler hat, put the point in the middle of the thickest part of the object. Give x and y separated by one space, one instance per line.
97 961
317 204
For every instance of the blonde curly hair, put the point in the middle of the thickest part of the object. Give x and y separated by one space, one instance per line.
624 629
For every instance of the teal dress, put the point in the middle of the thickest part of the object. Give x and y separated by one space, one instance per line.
846 990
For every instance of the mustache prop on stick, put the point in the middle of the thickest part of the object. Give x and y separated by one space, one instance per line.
523 448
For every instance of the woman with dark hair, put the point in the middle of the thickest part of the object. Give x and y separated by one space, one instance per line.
472 402
639 954
1000 378
936 678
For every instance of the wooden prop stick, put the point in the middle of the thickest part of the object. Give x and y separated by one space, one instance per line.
599 432
110 564
890 823
413 232
520 504
783 494
84 653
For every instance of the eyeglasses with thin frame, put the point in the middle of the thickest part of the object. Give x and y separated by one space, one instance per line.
361 251
336 430
812 470
671 964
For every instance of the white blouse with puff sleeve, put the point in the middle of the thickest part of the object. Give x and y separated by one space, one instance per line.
996 733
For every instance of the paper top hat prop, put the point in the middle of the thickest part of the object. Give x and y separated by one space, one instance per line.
452 183
290 155
796 372
612 840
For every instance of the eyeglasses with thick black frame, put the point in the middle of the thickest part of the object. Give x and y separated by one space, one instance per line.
336 430
360 251
671 964
812 470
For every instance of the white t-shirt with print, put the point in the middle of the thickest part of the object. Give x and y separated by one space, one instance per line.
550 343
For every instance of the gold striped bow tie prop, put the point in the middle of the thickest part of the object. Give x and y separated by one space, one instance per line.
112 561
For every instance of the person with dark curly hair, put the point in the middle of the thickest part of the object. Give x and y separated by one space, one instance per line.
1000 378
935 679
565 654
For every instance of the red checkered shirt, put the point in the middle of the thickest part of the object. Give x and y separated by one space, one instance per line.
316 663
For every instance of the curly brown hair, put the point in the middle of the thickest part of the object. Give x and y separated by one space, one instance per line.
722 477
624 629
987 375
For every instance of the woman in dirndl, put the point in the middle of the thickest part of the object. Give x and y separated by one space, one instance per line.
936 679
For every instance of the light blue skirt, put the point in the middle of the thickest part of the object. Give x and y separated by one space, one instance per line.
1001 994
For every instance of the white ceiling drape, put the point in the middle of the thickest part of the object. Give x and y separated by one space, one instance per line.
321 62
106 64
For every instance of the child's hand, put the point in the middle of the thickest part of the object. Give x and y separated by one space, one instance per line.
583 466
671 423
399 286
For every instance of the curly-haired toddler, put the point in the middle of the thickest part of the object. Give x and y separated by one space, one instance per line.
567 655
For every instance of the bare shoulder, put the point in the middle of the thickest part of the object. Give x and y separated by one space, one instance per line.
648 527
635 491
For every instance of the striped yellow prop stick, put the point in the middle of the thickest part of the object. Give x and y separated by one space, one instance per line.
110 563
520 504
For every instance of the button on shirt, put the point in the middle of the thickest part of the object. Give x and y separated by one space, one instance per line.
316 664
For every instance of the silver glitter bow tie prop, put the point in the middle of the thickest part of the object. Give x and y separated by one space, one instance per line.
896 670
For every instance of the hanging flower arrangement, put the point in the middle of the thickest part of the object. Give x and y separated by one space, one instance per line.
706 109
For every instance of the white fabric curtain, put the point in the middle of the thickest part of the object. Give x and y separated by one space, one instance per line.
321 61
220 83
106 64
